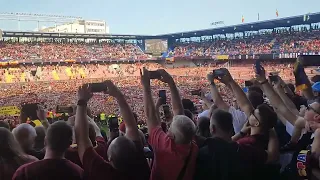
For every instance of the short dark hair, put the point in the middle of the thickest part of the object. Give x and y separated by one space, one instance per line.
223 120
188 113
255 98
203 128
255 89
268 117
59 136
188 104
4 125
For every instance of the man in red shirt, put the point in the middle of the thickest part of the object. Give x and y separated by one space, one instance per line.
175 153
125 154
54 165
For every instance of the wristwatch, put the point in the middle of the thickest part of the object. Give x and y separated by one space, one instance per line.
82 103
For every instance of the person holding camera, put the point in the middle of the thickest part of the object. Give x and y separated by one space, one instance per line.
125 153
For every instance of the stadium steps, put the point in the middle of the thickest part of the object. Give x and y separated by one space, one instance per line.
138 46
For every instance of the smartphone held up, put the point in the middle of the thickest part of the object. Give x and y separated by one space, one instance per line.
98 87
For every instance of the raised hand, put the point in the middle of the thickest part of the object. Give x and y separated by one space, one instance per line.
165 76
226 77
41 113
261 76
145 77
112 89
84 93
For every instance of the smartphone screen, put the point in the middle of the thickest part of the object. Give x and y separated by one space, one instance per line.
98 87
248 83
218 72
64 109
163 96
30 110
310 60
258 66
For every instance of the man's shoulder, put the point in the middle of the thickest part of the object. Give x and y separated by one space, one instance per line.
218 145
72 165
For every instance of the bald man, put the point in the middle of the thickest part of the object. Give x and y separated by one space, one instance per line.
175 153
121 152
175 147
25 134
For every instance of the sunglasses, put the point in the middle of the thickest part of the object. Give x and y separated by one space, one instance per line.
252 113
311 108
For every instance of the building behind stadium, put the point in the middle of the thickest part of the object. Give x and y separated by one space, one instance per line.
80 26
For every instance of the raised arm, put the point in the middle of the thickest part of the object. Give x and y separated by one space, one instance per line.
217 99
279 87
81 122
243 102
274 98
177 106
131 125
41 113
153 119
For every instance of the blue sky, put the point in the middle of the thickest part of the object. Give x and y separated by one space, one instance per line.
159 17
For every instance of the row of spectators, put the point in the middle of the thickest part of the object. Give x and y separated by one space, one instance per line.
26 73
67 51
285 42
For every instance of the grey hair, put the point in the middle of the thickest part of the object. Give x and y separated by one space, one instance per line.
24 126
183 129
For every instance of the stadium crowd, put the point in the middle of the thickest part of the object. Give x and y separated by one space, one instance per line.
264 43
209 126
48 51
272 42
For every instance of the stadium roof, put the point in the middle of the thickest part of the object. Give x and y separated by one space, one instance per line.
254 26
71 35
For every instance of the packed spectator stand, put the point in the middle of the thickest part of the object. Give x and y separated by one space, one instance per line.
210 125
268 43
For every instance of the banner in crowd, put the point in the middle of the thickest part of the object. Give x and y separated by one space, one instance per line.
9 111
222 57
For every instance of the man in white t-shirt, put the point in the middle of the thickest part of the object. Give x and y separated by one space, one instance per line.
239 117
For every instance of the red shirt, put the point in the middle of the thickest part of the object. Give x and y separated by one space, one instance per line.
97 168
9 168
101 149
258 141
49 169
169 157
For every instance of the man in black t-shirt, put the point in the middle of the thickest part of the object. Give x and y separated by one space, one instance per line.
222 159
